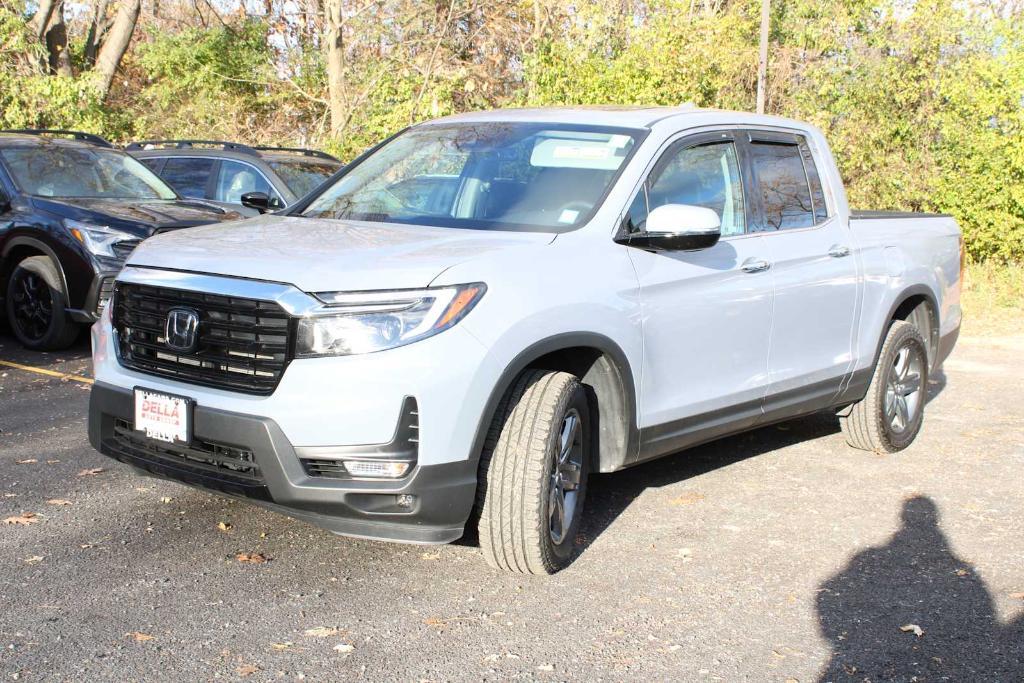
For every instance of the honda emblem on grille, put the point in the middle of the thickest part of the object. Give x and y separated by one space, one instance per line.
181 330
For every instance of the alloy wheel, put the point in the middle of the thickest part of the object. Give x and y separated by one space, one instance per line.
33 304
904 388
565 477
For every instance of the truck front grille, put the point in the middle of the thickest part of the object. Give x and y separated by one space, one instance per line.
241 344
201 455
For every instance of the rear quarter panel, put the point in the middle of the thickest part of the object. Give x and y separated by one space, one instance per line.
901 256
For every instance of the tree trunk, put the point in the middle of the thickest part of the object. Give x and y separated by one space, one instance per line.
41 19
116 44
335 64
97 31
57 43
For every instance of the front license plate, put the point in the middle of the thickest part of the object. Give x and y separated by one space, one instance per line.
162 417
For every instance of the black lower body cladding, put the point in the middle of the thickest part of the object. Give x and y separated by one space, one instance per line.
249 457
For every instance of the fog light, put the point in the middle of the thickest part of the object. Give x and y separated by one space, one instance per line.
405 500
380 469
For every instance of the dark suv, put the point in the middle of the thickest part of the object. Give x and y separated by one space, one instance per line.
268 178
72 208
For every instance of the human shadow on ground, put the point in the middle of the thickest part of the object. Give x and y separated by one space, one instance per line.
916 579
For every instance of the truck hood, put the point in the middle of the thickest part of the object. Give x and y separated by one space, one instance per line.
319 255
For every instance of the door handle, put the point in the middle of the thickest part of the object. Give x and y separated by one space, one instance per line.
839 251
755 265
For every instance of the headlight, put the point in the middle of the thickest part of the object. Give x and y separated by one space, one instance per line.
374 321
101 240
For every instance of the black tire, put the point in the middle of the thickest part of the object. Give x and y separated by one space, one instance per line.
887 420
517 531
37 306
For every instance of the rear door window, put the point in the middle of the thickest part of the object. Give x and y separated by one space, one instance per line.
782 182
188 175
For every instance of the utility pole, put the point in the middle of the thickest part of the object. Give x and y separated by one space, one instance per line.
762 64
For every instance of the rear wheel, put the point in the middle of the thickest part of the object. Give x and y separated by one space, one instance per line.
36 306
534 474
889 417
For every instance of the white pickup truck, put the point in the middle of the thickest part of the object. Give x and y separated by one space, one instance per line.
486 308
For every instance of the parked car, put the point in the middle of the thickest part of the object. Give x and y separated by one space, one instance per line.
71 210
272 177
402 354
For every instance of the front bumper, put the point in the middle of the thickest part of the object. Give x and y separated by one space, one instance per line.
95 299
444 493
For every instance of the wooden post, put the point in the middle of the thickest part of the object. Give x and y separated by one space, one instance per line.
762 65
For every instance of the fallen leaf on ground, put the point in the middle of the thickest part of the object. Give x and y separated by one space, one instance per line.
224 526
90 472
687 498
912 628
166 499
35 559
58 501
246 670
139 637
344 649
252 558
322 631
281 646
27 461
24 519
431 556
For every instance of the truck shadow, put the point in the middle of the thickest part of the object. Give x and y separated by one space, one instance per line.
916 579
610 494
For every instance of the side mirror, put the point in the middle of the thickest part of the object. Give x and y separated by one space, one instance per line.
677 227
261 201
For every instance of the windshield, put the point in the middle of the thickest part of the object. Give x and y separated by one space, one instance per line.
82 172
302 177
493 175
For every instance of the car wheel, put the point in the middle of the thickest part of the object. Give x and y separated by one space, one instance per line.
888 418
36 304
534 474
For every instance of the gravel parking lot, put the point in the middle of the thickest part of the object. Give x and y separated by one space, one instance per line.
776 555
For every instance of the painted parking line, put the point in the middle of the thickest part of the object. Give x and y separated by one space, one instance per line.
48 373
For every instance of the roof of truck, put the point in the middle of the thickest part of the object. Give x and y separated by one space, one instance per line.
609 115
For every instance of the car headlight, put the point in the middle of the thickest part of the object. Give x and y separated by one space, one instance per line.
101 240
365 322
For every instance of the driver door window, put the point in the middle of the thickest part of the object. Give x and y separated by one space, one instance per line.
235 179
705 175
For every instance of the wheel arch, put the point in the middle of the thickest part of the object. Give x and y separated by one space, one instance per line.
604 368
917 305
22 247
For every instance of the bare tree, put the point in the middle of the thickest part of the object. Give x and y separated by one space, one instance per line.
98 28
335 46
116 43
41 19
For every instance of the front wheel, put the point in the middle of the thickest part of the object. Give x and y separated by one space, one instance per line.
889 417
534 474
36 306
